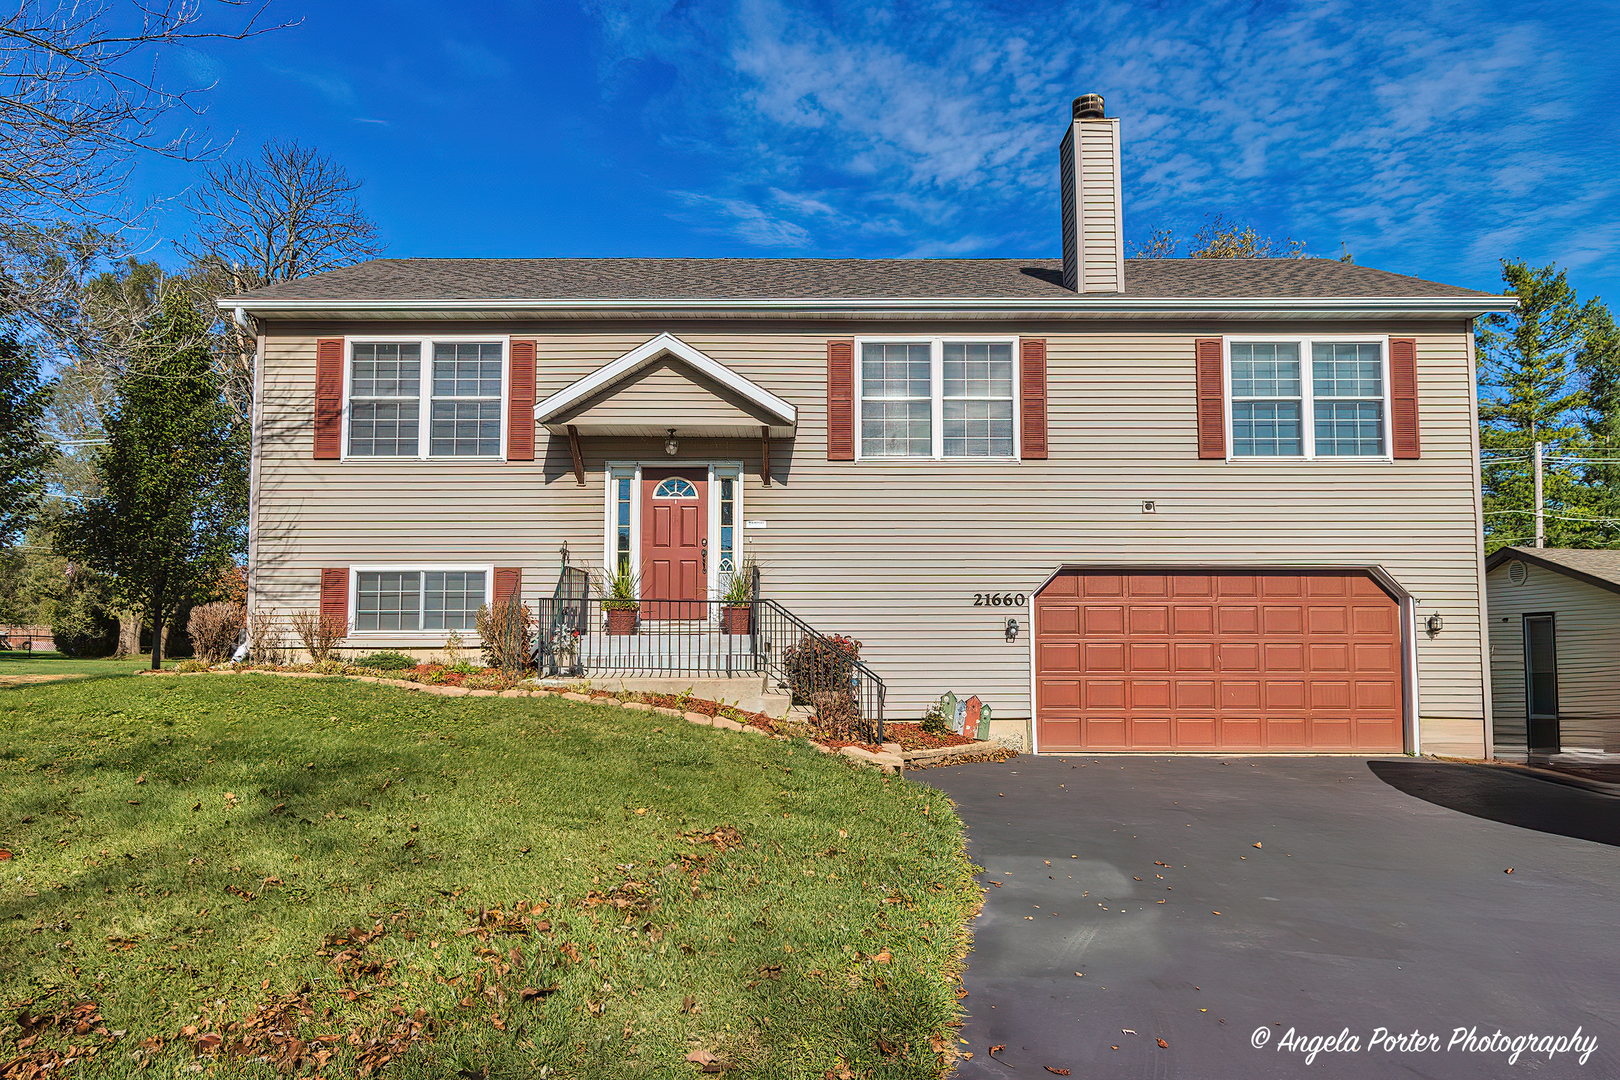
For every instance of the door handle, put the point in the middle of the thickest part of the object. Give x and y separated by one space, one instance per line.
704 545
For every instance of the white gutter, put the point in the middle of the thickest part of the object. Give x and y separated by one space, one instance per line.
1461 306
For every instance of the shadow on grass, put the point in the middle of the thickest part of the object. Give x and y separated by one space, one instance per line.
1508 797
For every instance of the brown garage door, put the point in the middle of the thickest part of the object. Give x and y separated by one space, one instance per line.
1222 660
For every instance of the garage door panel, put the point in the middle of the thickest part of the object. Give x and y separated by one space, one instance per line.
1058 620
1189 619
1150 694
1104 620
1149 620
1211 660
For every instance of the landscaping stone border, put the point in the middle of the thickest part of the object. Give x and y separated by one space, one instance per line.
892 758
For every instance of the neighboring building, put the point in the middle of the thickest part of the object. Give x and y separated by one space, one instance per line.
1151 504
1555 649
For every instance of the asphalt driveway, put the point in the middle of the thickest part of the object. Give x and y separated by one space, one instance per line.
1220 905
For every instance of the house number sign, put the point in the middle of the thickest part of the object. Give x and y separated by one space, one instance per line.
999 599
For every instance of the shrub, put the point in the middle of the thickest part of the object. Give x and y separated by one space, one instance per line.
266 637
79 622
321 634
820 664
191 665
937 721
506 627
215 629
386 661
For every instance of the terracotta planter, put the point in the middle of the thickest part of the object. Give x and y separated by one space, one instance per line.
737 620
621 620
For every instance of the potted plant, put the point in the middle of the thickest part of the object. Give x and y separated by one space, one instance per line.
618 592
737 602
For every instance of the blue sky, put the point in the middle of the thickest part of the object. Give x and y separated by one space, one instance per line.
1427 138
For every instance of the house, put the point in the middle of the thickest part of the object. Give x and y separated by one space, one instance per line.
1555 649
1200 505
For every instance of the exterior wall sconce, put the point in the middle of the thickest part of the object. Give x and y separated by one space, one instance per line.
1012 630
671 447
1435 624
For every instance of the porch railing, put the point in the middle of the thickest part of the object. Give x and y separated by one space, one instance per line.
580 636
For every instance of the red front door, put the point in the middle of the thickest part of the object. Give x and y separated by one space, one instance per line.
674 543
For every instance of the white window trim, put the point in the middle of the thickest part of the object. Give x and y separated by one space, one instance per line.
936 387
1306 398
469 636
425 409
633 469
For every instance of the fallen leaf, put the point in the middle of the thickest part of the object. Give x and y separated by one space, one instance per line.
688 1004
1055 1072
1257 843
1509 870
530 993
883 957
1127 1031
701 1057
1079 975
1163 1045
886 1048
4 854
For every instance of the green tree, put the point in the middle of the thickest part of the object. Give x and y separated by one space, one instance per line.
1529 393
171 513
24 452
1598 362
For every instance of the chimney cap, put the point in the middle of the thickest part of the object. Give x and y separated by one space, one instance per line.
1088 107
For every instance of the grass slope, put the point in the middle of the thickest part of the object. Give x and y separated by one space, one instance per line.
190 854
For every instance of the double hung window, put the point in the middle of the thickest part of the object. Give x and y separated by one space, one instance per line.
1306 398
412 601
452 409
937 398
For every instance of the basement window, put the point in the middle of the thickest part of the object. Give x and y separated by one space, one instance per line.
418 601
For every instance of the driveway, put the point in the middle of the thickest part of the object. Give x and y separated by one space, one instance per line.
1216 905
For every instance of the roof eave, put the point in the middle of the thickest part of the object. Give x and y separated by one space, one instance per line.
1080 307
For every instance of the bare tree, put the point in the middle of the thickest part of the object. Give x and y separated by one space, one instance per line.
81 97
287 213
1220 238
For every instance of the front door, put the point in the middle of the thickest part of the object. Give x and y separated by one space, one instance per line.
674 543
1541 683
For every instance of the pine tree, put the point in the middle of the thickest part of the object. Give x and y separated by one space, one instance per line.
24 453
171 513
1598 362
1525 360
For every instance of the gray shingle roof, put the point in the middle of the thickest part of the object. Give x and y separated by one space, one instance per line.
1602 564
839 279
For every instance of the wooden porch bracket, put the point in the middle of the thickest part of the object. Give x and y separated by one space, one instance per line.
764 456
579 458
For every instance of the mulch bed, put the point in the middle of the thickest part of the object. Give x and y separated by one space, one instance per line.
913 737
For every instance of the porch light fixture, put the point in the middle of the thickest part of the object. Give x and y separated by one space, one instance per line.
1012 629
1435 624
671 447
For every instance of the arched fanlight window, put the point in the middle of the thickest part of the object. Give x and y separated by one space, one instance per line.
675 487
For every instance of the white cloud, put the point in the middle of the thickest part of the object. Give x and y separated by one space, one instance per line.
1423 136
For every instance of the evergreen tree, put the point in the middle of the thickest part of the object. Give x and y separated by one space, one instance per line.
1525 361
1598 362
171 512
24 453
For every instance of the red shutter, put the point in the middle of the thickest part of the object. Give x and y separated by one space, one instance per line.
335 596
1403 397
840 401
1211 400
508 583
1032 397
520 403
329 398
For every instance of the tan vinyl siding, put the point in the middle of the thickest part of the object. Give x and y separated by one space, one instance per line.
1586 626
666 395
1099 205
893 552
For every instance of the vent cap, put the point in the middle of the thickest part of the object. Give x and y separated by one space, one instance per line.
1518 572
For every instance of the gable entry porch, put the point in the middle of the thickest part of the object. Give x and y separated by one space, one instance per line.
674 609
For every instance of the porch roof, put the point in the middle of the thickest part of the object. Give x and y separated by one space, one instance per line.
662 384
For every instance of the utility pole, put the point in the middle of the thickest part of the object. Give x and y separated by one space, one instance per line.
1541 531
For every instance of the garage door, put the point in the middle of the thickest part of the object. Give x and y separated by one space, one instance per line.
1225 660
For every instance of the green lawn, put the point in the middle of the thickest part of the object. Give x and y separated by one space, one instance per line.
535 888
15 662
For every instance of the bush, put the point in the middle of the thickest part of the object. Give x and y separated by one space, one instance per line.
820 664
386 661
320 634
80 625
937 720
185 666
506 627
266 638
215 629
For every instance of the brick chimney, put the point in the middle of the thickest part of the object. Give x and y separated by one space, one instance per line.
1093 214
